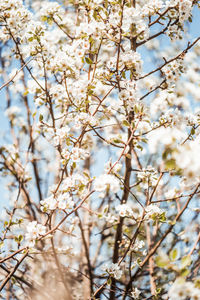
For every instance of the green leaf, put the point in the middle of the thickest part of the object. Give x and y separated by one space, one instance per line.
88 61
44 18
123 75
162 217
20 221
126 123
109 281
192 131
90 92
172 222
81 187
26 92
41 118
30 39
117 141
197 283
185 272
158 290
86 175
20 238
50 21
173 254
139 147
186 261
13 280
74 165
190 19
170 164
105 210
162 261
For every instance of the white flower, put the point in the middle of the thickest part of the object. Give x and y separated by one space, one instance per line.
173 70
74 182
153 209
182 290
148 177
51 9
49 203
106 182
187 159
139 244
62 201
124 210
135 293
75 155
65 201
113 270
132 60
111 218
34 231
63 132
66 154
12 112
116 168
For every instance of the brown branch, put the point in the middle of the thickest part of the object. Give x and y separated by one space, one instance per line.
60 272
195 244
156 246
13 271
17 72
172 59
12 255
87 254
17 277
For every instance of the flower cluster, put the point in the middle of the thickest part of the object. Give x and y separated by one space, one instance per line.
105 183
85 119
62 201
153 211
51 11
182 290
113 270
187 159
15 116
148 177
34 231
135 293
173 70
15 18
125 210
61 135
100 131
137 246
75 155
134 24
132 61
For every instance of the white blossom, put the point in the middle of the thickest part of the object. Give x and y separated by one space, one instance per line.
106 182
187 159
135 293
181 289
34 231
113 270
125 210
153 209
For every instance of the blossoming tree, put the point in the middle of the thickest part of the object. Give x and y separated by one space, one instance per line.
100 149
